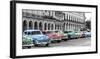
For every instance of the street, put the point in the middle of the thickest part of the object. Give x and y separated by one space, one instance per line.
74 42
69 43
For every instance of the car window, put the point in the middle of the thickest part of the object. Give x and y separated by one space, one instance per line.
25 33
44 32
48 32
56 31
67 31
29 33
32 32
36 32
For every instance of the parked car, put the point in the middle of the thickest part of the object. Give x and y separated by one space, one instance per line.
27 41
87 34
77 34
54 36
35 37
82 34
71 34
64 36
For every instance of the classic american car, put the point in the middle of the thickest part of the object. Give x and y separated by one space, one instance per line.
71 34
54 37
82 34
87 34
64 36
78 34
35 37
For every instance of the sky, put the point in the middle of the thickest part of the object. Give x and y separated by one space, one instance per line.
88 16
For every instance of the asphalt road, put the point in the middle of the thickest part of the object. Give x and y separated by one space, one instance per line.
74 42
69 43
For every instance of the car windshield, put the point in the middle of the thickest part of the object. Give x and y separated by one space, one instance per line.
36 32
67 31
56 31
32 33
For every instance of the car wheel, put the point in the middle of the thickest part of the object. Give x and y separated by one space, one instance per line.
54 41
29 47
58 41
35 45
64 39
47 44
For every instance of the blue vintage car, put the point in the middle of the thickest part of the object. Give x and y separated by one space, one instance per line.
35 37
71 34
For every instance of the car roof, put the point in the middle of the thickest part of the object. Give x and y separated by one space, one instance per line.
68 30
31 30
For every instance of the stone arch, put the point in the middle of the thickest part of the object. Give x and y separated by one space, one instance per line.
52 27
64 27
35 25
30 25
45 26
24 25
49 26
40 26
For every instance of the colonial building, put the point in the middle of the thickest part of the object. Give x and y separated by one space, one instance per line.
53 20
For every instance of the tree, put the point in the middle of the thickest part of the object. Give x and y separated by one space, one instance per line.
88 24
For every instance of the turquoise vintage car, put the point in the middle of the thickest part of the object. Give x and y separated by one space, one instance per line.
71 34
35 37
78 34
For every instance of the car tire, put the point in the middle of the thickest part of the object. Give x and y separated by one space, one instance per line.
47 44
64 39
58 41
35 45
29 47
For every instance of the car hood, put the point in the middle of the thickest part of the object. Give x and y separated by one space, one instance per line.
39 37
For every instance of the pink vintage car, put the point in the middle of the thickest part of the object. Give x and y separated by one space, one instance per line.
55 37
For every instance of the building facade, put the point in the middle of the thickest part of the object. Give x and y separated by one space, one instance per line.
53 20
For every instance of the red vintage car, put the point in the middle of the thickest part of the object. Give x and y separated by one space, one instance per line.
54 36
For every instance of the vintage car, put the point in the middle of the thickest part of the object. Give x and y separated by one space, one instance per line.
87 34
78 34
64 36
35 37
82 34
27 41
53 35
71 34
